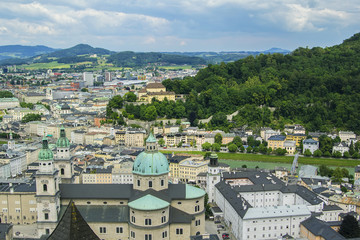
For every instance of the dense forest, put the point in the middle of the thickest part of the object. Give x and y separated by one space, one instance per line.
132 59
316 87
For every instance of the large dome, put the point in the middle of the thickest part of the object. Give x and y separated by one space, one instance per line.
151 162
154 163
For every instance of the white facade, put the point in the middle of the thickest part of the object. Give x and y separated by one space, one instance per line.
310 144
345 136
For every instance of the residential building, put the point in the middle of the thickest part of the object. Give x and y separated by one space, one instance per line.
157 91
290 146
276 141
297 137
310 144
340 147
357 173
190 168
134 137
345 136
6 103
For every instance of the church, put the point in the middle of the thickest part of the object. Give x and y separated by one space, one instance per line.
149 209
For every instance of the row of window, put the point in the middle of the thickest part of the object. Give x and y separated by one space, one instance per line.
162 183
269 235
18 202
148 221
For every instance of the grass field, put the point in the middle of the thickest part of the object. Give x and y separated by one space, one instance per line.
176 67
280 159
3 142
50 65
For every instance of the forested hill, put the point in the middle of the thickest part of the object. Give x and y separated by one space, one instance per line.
318 87
132 59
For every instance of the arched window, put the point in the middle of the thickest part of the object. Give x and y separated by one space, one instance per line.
150 183
62 171
45 188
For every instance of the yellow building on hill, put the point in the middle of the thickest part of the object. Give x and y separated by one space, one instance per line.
157 91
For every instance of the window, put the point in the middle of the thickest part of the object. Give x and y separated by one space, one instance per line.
147 221
138 183
150 183
132 219
62 171
197 222
132 234
46 216
162 182
164 234
88 202
45 188
148 237
197 208
179 231
119 230
47 231
102 229
163 219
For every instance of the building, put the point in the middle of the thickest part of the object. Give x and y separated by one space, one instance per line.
290 146
190 168
134 137
297 137
157 91
6 103
257 205
213 176
357 173
89 79
314 228
346 136
340 147
310 144
276 141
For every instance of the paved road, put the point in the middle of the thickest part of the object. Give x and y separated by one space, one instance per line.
211 227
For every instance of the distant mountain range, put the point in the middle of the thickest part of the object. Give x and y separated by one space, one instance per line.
17 55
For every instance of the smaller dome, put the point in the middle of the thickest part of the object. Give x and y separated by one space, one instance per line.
65 106
45 153
63 141
151 164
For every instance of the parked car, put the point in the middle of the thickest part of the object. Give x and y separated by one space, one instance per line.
225 236
217 221
221 226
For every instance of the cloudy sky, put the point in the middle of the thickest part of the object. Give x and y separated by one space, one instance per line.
179 25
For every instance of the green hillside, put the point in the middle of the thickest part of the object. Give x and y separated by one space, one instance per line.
317 87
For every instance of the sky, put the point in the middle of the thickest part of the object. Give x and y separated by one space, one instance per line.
179 25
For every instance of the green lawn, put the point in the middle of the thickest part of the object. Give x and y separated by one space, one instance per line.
3 142
176 67
50 65
279 159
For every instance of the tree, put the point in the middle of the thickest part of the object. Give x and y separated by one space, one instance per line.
6 94
244 166
325 171
349 227
346 155
343 189
130 97
161 142
355 155
31 117
307 153
215 147
85 90
116 102
150 113
327 154
237 141
280 151
180 144
232 147
317 153
337 154
218 138
242 149
206 146
249 149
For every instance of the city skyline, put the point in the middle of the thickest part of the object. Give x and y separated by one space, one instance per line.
197 25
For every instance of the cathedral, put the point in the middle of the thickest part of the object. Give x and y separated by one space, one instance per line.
151 208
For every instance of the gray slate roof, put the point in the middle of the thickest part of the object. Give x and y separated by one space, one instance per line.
320 228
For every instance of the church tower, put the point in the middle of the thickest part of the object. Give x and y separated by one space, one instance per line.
62 158
11 142
213 176
47 191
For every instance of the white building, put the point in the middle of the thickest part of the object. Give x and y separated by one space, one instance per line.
310 144
89 79
345 136
257 205
340 147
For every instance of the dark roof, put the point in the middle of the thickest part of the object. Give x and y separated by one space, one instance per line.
178 216
18 187
95 191
277 138
72 226
331 208
104 213
239 204
320 228
357 168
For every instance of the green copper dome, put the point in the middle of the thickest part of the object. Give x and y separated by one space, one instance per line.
148 202
151 162
45 153
62 142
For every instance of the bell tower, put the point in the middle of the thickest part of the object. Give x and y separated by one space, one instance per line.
47 191
63 159
213 176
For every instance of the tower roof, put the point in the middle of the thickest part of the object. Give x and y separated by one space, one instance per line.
45 153
72 226
151 138
63 141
